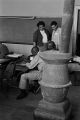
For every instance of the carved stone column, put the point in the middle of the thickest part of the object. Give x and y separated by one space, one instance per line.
67 21
55 79
54 87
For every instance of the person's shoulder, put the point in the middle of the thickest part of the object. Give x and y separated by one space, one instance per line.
47 31
59 28
36 31
36 56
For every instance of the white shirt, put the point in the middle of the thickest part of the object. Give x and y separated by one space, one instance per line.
36 61
44 36
56 37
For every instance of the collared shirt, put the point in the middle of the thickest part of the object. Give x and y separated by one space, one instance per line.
56 37
38 38
44 35
36 61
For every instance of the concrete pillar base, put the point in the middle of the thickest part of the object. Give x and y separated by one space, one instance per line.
52 111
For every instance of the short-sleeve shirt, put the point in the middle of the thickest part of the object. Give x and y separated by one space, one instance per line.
56 37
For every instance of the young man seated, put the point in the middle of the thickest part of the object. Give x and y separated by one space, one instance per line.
33 74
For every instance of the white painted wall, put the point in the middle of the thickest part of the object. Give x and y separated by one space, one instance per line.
19 48
77 2
31 8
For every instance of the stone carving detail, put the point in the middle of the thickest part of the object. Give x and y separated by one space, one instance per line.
54 87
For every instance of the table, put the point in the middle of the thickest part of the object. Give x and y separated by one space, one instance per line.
21 66
74 67
16 67
74 70
4 60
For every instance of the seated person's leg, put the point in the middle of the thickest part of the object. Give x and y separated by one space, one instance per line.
23 81
32 75
23 85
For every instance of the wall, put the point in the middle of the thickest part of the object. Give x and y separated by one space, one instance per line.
19 48
25 8
31 8
28 7
77 2
18 36
20 29
50 8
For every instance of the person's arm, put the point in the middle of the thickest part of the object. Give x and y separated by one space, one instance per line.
59 38
60 33
33 63
49 39
34 44
48 35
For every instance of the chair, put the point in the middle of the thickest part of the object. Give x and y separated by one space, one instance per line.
34 87
10 75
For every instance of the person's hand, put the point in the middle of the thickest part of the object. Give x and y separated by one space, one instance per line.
34 44
27 64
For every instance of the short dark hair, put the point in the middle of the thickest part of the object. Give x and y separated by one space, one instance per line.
51 45
35 50
53 23
40 23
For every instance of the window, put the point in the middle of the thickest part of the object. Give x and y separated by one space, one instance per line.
76 32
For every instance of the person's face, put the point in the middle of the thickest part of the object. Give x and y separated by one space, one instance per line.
34 52
41 27
54 27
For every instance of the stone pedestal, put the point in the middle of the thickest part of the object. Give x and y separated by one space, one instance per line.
54 87
66 27
53 111
55 80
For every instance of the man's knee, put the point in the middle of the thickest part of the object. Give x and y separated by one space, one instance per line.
23 82
23 76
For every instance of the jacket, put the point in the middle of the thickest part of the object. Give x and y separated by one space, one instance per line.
37 37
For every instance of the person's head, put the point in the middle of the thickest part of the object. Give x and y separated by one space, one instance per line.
54 25
51 45
41 25
34 50
3 50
